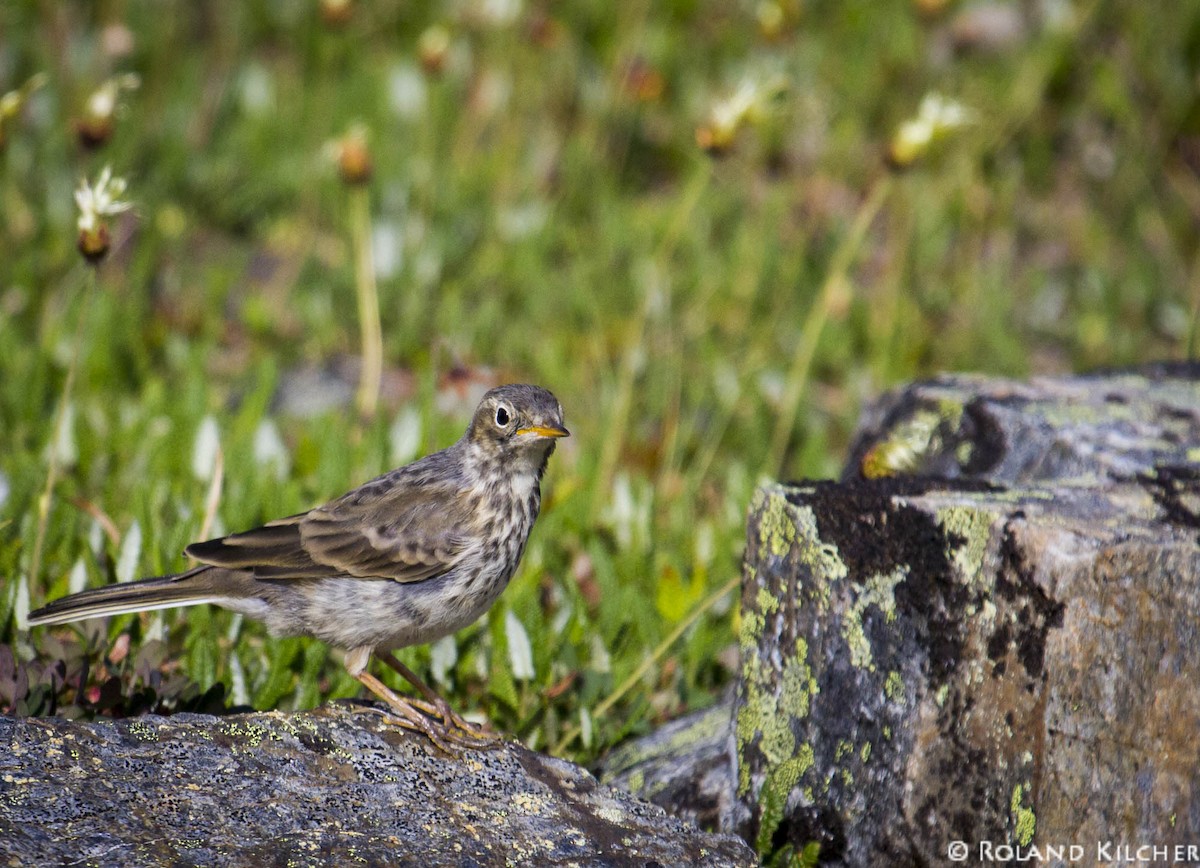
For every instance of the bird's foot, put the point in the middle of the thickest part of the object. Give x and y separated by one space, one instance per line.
453 721
436 721
435 706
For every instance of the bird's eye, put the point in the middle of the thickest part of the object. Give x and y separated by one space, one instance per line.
502 417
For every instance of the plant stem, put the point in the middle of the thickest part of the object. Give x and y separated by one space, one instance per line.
618 421
213 501
371 374
60 417
806 347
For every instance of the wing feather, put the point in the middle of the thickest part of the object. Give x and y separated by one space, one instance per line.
401 527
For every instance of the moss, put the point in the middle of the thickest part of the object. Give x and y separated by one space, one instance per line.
1024 819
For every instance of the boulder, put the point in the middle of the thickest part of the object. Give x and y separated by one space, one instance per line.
1086 430
333 786
683 765
982 637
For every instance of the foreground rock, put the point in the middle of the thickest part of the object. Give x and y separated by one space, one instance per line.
330 787
985 634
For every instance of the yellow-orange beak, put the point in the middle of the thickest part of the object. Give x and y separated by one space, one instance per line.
545 431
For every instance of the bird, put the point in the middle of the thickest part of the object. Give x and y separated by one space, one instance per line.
404 559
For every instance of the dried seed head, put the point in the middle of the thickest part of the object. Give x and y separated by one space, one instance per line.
14 101
337 13
353 156
433 47
94 243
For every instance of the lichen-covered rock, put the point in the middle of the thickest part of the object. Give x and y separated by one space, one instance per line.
684 764
334 786
1085 430
982 634
925 664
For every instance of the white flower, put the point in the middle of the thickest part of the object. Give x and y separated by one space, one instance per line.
100 200
748 104
738 107
936 118
102 104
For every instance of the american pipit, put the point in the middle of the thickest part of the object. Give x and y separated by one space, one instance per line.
404 559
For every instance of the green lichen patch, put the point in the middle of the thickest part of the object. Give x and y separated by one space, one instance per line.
881 529
776 530
773 798
877 591
750 630
142 731
251 734
822 558
893 686
1023 817
767 604
970 528
766 717
907 446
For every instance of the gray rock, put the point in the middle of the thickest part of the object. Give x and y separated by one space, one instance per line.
982 634
334 786
924 665
684 765
1089 430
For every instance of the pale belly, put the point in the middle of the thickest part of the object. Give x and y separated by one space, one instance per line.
376 613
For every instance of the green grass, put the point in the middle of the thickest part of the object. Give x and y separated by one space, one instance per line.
550 224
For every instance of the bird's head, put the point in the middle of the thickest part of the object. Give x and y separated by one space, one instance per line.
518 420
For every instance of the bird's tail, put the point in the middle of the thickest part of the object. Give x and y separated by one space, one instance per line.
165 592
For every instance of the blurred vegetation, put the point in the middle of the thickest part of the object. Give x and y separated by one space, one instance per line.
559 195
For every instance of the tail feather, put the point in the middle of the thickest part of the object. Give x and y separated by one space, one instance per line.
165 592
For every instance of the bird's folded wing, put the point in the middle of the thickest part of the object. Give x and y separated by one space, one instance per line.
400 532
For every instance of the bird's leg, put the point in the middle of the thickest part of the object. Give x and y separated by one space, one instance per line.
405 714
448 715
408 712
